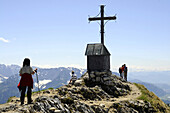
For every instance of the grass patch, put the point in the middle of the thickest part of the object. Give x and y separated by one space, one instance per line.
50 88
10 99
42 90
155 101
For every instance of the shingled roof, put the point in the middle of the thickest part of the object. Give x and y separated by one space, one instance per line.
96 49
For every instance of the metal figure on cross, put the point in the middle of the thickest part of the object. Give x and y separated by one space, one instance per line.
102 18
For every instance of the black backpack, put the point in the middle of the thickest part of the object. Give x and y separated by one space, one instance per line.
125 69
120 70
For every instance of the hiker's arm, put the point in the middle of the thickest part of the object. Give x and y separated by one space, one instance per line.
70 80
34 71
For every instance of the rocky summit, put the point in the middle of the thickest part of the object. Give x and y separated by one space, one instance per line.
94 92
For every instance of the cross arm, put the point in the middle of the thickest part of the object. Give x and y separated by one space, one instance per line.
104 18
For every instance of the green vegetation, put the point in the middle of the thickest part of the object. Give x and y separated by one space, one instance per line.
156 102
50 88
41 90
47 89
10 99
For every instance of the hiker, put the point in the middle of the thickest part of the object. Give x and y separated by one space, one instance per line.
125 72
73 78
120 71
122 74
26 81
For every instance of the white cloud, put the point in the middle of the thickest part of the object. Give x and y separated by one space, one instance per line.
4 40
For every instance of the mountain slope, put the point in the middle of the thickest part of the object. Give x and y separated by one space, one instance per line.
152 87
9 70
53 77
2 78
155 101
9 88
107 94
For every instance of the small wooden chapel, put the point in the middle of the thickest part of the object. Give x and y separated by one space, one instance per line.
98 57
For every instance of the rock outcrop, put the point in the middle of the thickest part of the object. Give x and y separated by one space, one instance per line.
95 92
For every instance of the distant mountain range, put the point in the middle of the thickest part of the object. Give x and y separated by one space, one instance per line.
9 70
2 78
56 77
53 77
154 77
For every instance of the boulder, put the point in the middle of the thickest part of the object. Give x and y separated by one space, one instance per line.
78 82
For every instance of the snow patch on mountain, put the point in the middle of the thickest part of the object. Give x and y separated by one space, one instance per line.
42 82
82 71
70 73
6 77
43 87
2 78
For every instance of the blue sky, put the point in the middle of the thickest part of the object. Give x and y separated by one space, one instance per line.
55 32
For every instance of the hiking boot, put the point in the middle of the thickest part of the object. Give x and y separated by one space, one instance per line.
22 103
30 102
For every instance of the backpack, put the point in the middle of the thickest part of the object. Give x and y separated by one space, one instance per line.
125 69
120 70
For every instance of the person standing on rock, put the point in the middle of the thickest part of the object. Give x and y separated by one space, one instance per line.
125 72
120 71
73 78
26 81
122 74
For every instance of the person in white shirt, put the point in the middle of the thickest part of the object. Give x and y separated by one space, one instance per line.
26 81
73 79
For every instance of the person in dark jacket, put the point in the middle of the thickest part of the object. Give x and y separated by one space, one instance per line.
26 81
125 72
120 72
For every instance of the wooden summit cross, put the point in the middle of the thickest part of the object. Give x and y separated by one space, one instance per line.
102 18
98 57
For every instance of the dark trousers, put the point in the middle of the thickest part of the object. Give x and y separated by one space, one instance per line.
29 92
125 76
73 81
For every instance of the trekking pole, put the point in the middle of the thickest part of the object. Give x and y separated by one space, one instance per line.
37 82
